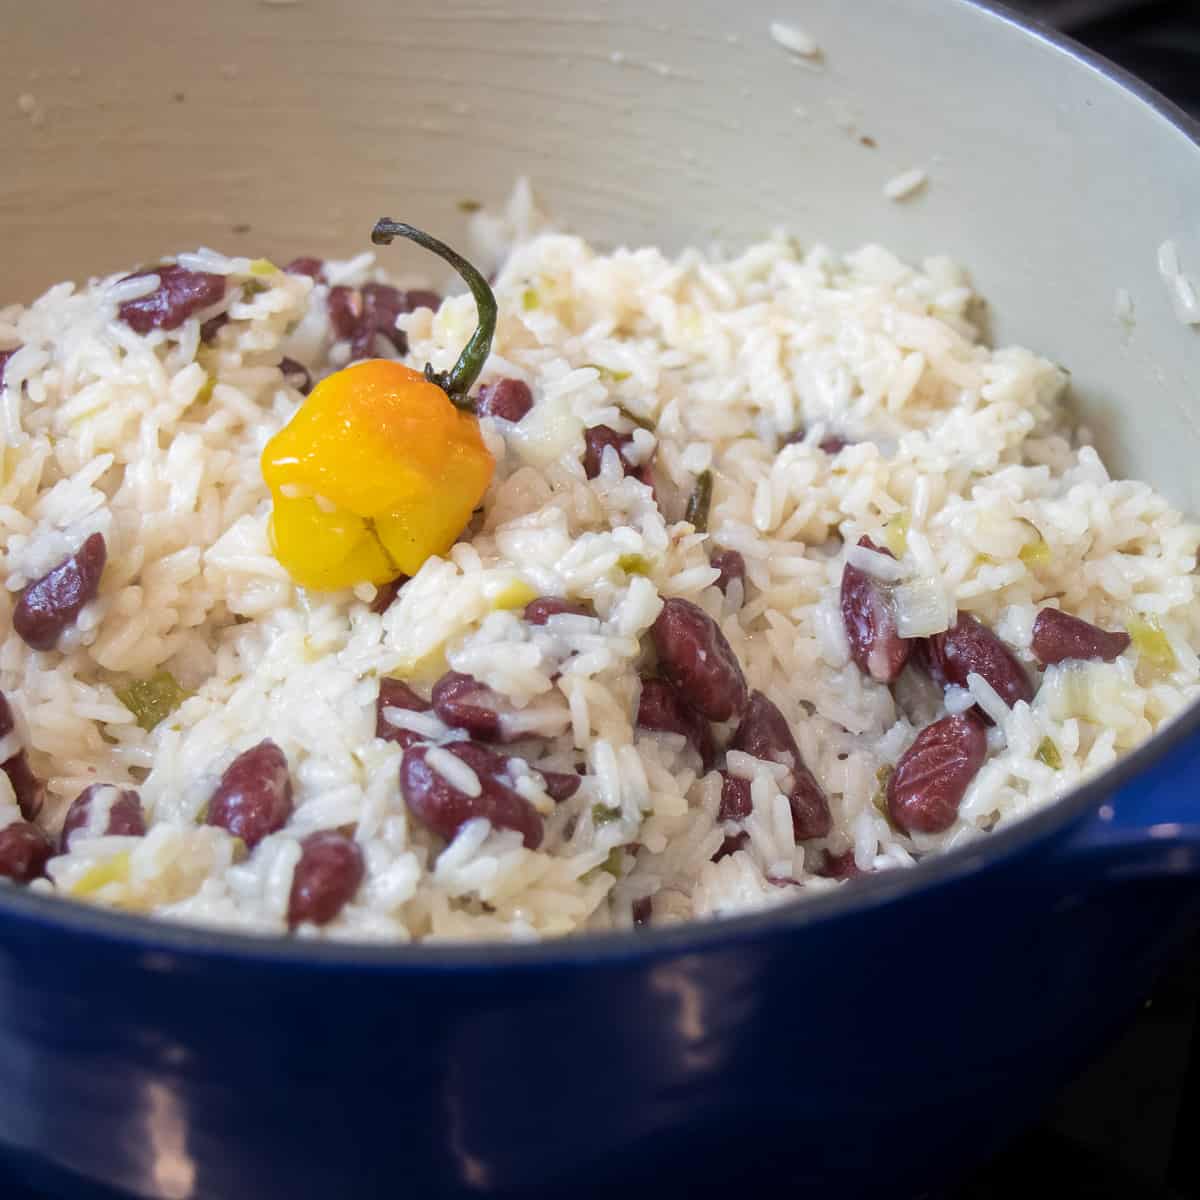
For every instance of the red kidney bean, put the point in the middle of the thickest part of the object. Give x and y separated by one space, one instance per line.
662 708
29 791
5 355
296 375
465 703
49 605
731 565
539 611
345 308
179 294
395 693
643 911
382 304
444 809
877 648
560 785
326 877
24 852
736 802
694 655
385 594
970 647
933 774
314 268
1058 636
731 845
838 866
506 399
125 817
254 797
358 315
596 440
213 326
811 817
765 734
421 298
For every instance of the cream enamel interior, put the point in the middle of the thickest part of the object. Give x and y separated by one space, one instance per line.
284 126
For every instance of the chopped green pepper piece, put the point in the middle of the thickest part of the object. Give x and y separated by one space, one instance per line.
1047 752
883 777
1036 553
263 266
602 815
634 564
530 299
612 376
634 419
613 863
1153 646
699 502
204 395
895 534
151 700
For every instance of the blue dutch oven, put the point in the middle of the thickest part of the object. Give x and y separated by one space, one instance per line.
876 1041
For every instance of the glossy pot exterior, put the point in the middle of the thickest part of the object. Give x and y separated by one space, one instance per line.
871 1048
875 1042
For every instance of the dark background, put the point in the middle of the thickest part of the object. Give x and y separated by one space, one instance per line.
1156 39
1130 1126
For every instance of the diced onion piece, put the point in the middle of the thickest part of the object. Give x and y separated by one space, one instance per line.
921 608
1091 691
549 432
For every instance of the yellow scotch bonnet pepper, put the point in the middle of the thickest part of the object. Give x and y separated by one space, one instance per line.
382 466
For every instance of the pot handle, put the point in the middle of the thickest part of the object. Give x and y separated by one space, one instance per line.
1150 827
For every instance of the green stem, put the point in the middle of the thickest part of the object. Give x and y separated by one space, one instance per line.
458 381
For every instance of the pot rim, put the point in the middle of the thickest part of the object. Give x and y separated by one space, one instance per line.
170 945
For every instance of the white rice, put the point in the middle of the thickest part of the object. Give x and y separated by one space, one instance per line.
1182 288
454 771
794 39
107 431
906 184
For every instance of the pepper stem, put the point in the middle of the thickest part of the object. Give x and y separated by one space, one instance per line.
458 381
